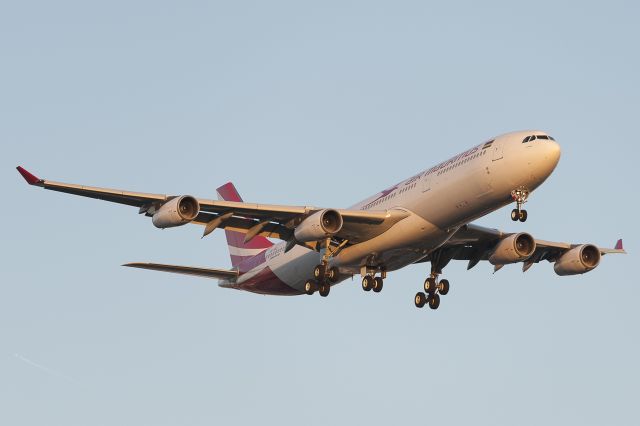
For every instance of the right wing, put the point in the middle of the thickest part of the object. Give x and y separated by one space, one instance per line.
223 274
272 221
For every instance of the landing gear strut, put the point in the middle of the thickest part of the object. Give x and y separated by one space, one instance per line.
520 196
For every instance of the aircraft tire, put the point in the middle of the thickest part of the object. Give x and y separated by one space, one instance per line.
377 284
514 215
523 216
443 287
434 301
324 289
429 285
310 287
318 272
420 299
367 283
332 274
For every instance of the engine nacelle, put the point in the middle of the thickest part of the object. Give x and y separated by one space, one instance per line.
318 226
514 248
578 260
176 212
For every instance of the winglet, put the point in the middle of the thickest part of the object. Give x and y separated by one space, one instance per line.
31 179
619 245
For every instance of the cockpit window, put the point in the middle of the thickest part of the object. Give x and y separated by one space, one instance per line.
534 137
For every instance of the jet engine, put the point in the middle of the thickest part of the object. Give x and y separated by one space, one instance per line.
512 249
318 226
578 260
176 212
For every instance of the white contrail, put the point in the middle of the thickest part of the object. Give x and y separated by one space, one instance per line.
45 369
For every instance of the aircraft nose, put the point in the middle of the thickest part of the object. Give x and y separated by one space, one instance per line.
549 156
553 152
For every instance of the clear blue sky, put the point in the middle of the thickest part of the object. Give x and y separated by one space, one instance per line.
321 104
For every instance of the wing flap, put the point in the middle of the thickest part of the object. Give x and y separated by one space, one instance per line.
223 274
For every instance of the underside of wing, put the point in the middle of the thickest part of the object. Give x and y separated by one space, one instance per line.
223 274
476 243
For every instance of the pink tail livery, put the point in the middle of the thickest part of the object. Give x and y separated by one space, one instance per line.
238 249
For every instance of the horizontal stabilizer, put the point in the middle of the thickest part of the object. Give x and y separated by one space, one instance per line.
187 270
618 249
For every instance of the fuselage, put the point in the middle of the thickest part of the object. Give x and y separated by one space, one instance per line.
439 201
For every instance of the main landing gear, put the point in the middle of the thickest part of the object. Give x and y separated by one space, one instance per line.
323 275
322 279
371 282
433 289
323 287
520 196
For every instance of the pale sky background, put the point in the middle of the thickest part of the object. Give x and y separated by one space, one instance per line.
321 104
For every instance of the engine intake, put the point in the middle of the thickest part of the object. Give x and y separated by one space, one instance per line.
578 260
176 212
512 249
319 225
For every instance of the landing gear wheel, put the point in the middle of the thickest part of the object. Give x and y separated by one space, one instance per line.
443 287
324 289
367 282
310 287
430 285
434 301
318 272
420 300
515 215
377 284
332 274
523 216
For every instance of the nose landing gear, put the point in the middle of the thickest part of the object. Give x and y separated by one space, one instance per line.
520 196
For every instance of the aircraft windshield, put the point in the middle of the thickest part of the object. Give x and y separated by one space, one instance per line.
535 137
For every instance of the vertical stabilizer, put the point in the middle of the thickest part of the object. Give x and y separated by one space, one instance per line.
238 249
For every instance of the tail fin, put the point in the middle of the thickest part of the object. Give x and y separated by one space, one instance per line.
238 249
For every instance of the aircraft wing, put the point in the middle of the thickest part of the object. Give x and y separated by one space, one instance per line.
476 243
223 274
274 221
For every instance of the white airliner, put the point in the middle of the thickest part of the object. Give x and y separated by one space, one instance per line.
425 218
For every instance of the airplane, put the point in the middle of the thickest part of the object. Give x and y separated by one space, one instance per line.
425 218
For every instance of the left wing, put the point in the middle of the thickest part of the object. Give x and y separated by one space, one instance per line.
476 243
273 221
